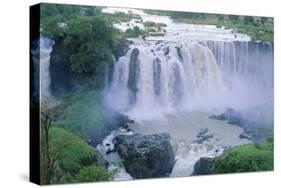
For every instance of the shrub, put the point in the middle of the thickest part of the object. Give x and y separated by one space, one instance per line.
246 158
72 155
92 173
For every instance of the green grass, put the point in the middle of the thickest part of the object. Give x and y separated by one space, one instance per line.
92 174
246 158
74 155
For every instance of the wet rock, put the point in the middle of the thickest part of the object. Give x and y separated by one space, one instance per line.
166 50
109 151
121 48
245 136
123 120
158 42
202 131
202 136
203 166
116 121
179 52
133 74
146 156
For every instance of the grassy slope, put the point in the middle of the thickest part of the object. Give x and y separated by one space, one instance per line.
75 154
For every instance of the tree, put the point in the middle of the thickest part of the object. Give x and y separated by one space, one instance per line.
203 16
233 17
89 41
90 10
135 32
49 10
48 155
248 19
263 20
220 17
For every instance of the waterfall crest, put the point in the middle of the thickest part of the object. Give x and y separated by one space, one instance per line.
168 76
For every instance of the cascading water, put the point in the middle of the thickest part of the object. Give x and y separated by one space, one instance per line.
165 75
41 54
45 51
173 83
173 75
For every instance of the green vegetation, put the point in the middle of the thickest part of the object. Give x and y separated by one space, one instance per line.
83 112
246 158
76 156
258 28
149 24
92 173
63 154
121 17
88 41
88 36
84 44
135 32
153 26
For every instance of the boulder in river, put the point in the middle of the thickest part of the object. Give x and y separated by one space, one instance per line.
146 156
203 166
202 136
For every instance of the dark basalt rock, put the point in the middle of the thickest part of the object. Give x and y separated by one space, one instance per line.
245 136
166 50
179 52
146 156
121 48
63 79
202 136
123 120
115 121
203 166
133 74
202 131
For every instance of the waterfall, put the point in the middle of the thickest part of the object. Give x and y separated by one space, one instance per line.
167 75
45 55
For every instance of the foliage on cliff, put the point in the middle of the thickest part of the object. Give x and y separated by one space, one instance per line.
88 36
92 173
246 158
76 156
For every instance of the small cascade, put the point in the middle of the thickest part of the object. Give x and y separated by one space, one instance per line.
188 154
106 148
